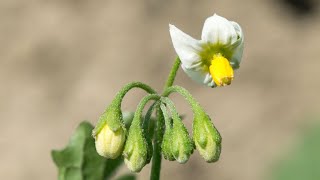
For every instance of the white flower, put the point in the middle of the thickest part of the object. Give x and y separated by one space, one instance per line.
212 59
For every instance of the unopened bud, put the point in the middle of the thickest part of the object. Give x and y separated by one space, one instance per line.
177 145
136 149
109 143
206 137
182 145
110 132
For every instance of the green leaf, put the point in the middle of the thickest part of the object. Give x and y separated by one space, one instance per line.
80 161
111 166
302 162
127 177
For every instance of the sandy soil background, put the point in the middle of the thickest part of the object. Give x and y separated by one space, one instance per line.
62 61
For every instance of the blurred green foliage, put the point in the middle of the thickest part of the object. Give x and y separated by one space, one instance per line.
303 161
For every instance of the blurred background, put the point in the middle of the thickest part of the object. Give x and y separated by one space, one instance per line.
62 61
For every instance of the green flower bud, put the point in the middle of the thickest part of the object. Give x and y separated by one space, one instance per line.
109 144
136 149
206 137
182 145
176 144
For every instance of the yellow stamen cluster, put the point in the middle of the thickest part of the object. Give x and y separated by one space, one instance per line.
221 70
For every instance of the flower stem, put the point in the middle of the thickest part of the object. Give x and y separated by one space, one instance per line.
120 95
183 92
138 114
173 73
156 157
158 133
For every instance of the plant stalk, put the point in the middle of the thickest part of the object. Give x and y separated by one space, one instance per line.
158 133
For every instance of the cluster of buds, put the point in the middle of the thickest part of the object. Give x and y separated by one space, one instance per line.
130 135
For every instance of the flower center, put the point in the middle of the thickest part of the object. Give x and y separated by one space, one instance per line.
221 70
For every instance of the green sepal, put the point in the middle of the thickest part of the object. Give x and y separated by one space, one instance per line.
127 118
166 145
111 116
79 160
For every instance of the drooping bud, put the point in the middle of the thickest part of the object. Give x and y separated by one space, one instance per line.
109 143
176 144
137 152
206 137
110 132
136 149
182 145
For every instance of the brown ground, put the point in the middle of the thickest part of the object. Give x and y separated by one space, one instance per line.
63 61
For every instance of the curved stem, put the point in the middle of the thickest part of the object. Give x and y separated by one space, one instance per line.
166 116
158 133
115 107
171 106
182 91
148 115
138 114
120 95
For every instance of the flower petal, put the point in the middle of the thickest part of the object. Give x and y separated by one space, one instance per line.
238 45
200 75
217 29
186 47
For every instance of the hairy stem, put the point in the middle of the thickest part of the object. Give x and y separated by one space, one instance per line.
158 133
183 92
120 95
172 74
